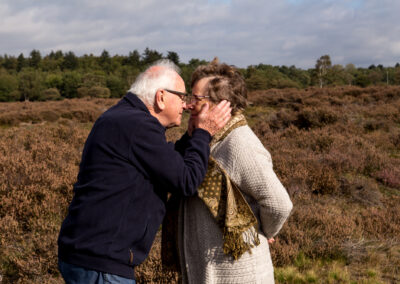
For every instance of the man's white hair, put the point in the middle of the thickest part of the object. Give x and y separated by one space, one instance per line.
153 79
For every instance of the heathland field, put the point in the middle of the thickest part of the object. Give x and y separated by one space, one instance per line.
336 150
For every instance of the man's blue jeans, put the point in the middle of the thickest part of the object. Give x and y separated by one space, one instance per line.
73 274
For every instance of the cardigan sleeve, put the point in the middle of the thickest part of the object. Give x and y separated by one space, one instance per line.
250 166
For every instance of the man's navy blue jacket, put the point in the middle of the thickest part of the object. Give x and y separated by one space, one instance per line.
127 168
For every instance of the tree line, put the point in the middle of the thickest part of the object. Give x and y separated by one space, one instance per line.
59 75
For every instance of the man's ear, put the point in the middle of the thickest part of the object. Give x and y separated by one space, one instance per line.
159 100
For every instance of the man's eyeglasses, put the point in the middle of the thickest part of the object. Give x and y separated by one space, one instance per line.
187 98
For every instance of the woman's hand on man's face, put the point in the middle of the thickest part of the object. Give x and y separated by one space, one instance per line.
214 119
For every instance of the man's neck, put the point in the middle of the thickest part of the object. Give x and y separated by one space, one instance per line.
156 114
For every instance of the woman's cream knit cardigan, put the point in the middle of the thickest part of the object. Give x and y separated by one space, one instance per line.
202 258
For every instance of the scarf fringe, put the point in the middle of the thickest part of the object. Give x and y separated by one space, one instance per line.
237 242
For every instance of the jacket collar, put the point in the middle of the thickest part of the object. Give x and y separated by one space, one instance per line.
136 102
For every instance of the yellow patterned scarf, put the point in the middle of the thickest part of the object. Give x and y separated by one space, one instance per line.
226 203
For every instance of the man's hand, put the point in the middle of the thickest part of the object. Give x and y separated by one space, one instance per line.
213 120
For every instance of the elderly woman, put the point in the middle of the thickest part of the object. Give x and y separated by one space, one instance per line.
224 232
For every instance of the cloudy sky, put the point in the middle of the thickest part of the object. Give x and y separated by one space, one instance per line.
239 32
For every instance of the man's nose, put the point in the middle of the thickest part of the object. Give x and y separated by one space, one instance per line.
187 106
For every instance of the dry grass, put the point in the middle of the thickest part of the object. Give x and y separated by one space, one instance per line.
38 165
335 150
81 110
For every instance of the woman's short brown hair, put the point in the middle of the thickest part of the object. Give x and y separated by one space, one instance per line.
226 83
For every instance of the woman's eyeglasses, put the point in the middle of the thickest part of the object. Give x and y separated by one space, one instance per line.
196 98
187 98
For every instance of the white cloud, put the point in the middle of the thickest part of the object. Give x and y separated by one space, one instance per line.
295 32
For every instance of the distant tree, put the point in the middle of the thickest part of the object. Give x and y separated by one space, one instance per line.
322 66
256 80
173 56
53 80
51 54
375 76
88 63
94 79
133 58
361 78
70 61
195 62
10 62
8 87
21 62
389 75
56 55
284 69
116 86
187 70
104 57
35 58
50 64
105 61
350 71
116 64
150 56
396 75
128 74
300 76
71 82
336 75
263 76
30 84
350 67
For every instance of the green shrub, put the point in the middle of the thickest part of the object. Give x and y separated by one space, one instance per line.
82 92
51 94
99 92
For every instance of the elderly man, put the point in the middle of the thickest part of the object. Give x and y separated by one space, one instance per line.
126 171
